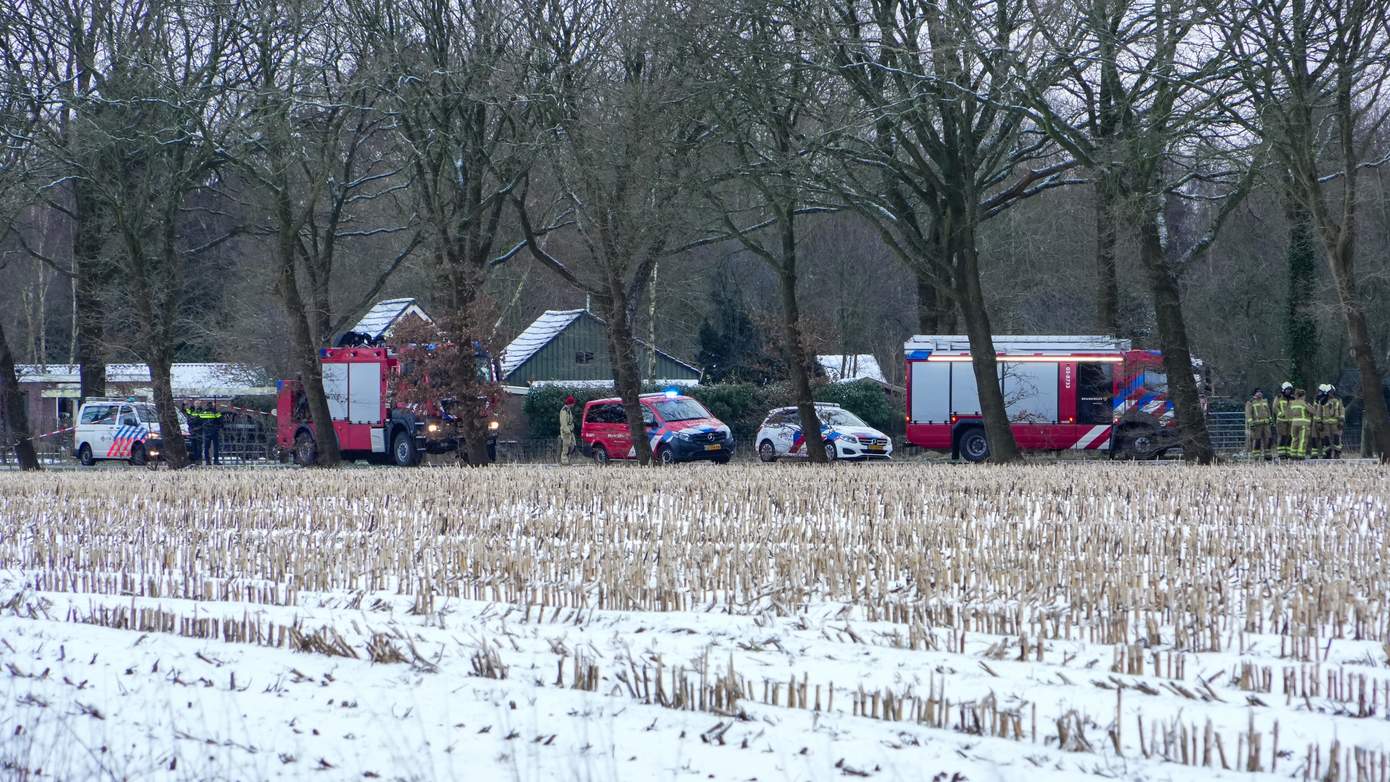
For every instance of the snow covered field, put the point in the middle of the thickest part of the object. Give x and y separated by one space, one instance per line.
743 622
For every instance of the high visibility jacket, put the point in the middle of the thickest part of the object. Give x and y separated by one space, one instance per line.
1332 412
1281 408
566 422
1300 412
1257 412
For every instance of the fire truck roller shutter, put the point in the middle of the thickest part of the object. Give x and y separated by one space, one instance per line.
1030 392
335 387
931 402
965 394
364 393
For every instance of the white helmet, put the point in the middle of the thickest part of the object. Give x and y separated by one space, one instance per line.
1287 386
1324 388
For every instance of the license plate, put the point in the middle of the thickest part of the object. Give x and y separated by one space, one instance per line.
875 448
714 447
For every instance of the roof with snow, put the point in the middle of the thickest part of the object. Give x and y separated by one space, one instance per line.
851 367
191 379
536 336
581 355
385 314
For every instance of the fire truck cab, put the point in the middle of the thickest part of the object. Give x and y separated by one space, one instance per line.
1061 393
360 382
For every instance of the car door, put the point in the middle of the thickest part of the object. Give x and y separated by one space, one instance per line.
104 431
784 429
124 432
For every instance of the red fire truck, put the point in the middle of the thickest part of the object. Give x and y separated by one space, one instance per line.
1061 393
360 383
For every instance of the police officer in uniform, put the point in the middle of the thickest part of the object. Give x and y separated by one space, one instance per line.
1259 440
212 435
195 431
1281 418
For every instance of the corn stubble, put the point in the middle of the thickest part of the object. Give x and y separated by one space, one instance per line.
1162 566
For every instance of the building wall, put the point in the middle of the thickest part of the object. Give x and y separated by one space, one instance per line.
556 361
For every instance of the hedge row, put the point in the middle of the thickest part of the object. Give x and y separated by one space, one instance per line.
742 406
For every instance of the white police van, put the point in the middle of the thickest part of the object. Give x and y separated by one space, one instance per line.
846 435
112 428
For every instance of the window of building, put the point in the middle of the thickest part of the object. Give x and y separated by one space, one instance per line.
583 356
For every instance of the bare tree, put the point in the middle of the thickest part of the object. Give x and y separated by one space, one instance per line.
17 126
314 149
948 144
769 132
66 47
451 75
1140 99
151 133
1316 72
625 116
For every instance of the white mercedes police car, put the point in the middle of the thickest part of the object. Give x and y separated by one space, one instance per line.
846 435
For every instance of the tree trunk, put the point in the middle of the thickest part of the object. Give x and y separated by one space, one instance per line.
794 347
970 298
161 382
1375 422
471 412
1107 279
622 352
92 278
1172 336
13 403
304 356
1300 326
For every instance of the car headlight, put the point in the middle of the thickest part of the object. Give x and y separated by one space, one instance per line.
432 428
493 426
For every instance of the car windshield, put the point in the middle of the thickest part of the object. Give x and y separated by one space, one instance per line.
681 410
836 417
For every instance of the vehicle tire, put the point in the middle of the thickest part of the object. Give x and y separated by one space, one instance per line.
665 457
974 446
305 450
767 451
1137 443
722 459
831 452
600 456
137 455
403 450
84 455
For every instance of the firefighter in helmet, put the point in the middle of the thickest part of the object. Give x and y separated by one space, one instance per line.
1259 440
1300 424
1281 418
567 430
1333 415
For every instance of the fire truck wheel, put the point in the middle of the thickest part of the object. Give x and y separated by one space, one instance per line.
137 455
305 452
767 451
403 451
600 455
973 445
1137 443
84 455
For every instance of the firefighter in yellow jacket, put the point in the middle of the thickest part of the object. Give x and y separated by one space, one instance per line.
1259 440
1300 425
1281 418
1332 417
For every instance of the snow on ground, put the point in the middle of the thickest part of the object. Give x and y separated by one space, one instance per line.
110 668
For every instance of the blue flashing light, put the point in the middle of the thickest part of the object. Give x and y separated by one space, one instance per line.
323 352
672 392
918 355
